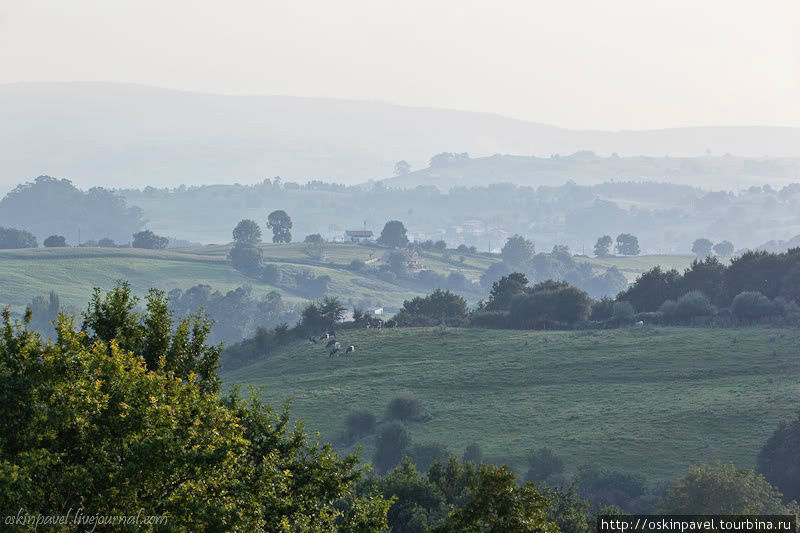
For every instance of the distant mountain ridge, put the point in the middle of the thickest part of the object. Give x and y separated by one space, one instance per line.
122 135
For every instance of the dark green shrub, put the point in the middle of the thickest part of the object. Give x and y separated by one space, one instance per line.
542 464
473 453
271 274
752 305
391 444
359 424
424 455
404 408
693 304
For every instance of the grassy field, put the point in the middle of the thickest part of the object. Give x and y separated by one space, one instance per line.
73 272
651 401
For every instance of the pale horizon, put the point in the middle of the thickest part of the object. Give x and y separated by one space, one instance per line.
616 66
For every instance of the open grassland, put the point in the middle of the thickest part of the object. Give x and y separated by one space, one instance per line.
651 401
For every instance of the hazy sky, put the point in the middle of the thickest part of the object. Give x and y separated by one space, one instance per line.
608 64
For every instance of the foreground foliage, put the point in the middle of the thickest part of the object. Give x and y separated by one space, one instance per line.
124 416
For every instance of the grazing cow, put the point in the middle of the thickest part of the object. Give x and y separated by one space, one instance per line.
640 323
324 337
330 343
350 349
312 340
335 350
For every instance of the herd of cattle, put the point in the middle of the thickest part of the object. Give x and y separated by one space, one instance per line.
331 344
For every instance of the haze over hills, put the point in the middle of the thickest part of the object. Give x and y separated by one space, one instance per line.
121 135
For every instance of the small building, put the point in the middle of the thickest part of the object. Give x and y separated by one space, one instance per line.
357 235
375 311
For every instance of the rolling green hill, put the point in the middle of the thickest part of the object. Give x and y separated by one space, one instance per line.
651 401
73 272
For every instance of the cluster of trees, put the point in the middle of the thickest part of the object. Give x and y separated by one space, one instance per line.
246 256
11 238
626 244
236 314
48 203
548 304
519 255
703 247
755 285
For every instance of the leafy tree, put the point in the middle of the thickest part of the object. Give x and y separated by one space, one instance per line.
396 261
758 272
404 408
542 464
312 320
391 443
359 424
504 290
55 241
424 455
44 313
456 281
331 310
247 233
550 304
722 489
15 238
498 504
627 244
126 415
314 238
418 501
608 487
779 459
473 453
246 259
702 247
149 240
517 251
568 510
602 247
752 306
436 307
706 276
440 245
113 317
652 288
724 249
693 304
270 273
494 273
105 242
280 223
393 235
401 168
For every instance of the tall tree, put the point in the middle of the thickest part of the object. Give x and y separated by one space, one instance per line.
401 168
55 241
247 233
724 248
627 244
280 223
702 247
393 235
148 239
517 251
602 248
